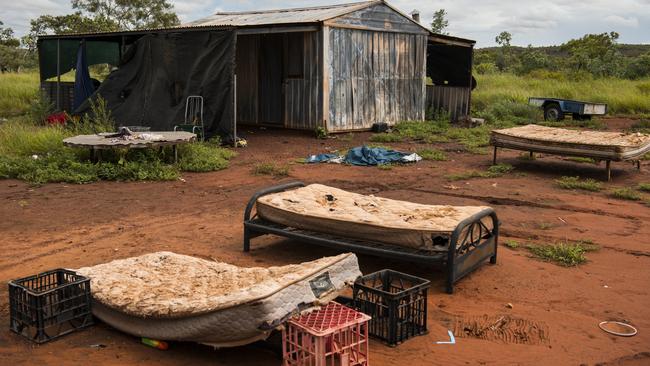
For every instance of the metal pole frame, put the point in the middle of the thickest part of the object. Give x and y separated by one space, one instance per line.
58 74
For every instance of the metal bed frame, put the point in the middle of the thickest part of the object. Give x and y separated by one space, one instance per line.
471 243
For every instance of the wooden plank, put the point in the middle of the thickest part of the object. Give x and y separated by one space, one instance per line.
325 62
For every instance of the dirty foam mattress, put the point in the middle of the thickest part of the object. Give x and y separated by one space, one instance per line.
334 211
600 145
168 296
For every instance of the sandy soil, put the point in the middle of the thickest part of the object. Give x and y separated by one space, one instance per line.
555 310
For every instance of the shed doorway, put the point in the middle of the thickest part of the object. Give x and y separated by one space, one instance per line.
260 79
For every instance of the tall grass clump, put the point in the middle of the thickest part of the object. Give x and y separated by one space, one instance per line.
589 184
17 92
565 254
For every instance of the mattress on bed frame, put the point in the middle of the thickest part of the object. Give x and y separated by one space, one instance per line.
595 144
334 211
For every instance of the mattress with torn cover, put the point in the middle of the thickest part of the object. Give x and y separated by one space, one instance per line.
169 296
330 210
605 145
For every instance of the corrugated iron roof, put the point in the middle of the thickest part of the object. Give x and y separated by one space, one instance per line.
314 14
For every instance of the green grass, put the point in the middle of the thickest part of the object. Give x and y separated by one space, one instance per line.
271 169
564 254
645 187
432 154
512 244
542 225
494 171
473 140
36 154
622 96
591 185
385 137
625 194
17 91
385 166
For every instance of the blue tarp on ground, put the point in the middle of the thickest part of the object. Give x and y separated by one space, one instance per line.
366 156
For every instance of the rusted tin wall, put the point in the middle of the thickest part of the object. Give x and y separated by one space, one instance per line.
375 77
453 99
303 95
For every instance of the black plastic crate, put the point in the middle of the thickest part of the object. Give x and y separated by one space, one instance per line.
397 303
49 305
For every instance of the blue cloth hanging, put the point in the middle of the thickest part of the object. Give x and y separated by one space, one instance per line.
83 85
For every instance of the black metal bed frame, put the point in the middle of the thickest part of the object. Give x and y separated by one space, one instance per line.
471 243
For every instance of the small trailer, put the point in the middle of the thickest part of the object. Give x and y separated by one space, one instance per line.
555 109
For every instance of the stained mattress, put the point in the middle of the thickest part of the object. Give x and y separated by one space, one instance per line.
615 146
169 296
334 211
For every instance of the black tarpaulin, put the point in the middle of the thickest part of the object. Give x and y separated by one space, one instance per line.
159 72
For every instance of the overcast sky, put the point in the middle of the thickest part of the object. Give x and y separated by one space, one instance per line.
536 22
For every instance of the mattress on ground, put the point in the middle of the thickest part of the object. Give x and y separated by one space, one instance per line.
597 144
169 296
334 211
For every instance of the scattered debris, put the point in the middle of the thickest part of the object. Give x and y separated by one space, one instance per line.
509 305
451 340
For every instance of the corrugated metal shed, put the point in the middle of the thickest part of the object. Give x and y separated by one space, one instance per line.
282 16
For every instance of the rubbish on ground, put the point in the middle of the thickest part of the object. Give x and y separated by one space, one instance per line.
366 156
177 297
509 305
97 345
335 334
618 328
161 345
452 339
561 219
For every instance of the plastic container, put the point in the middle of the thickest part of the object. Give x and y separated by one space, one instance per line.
333 335
48 305
397 303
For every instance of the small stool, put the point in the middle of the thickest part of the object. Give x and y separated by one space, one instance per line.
333 335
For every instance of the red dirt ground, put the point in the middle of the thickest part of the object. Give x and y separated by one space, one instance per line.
558 309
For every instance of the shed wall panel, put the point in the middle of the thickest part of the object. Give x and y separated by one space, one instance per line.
452 99
303 95
375 77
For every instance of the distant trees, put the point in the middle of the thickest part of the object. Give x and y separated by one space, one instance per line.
11 56
593 55
504 57
440 22
596 54
103 16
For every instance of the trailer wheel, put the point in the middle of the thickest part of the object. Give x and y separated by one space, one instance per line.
552 112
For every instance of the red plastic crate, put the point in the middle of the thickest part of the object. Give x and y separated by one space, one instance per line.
333 335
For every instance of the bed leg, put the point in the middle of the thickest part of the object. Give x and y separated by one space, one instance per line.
609 170
531 155
450 286
494 158
247 241
638 165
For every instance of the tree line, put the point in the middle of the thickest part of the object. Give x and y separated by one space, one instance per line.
88 16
